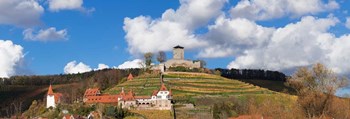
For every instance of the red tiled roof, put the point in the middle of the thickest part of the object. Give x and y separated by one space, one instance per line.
154 92
102 99
163 88
91 92
57 97
129 96
50 92
142 97
67 116
130 77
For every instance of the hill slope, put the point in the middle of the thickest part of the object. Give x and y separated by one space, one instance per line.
194 88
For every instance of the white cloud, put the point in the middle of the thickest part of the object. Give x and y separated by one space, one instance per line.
144 34
270 9
23 13
57 5
233 36
347 23
10 55
194 13
73 67
102 66
50 34
136 63
299 44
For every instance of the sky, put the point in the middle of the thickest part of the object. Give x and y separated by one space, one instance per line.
41 37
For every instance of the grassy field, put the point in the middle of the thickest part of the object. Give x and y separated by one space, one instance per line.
188 84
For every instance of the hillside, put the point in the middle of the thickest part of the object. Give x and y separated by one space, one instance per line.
197 89
18 92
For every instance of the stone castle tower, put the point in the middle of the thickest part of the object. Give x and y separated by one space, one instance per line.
178 53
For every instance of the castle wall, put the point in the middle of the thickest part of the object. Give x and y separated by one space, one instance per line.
184 63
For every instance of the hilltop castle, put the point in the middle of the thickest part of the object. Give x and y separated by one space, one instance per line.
179 60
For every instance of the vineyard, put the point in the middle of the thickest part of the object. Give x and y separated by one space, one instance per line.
191 87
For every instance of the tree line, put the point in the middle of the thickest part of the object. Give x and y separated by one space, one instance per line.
252 74
13 88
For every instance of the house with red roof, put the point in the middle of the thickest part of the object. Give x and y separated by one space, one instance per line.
158 100
93 95
52 99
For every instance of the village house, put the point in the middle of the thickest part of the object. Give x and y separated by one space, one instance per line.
159 100
52 99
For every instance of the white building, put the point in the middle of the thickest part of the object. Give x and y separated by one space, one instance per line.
159 100
52 99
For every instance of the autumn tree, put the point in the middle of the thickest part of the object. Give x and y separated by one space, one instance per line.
161 57
316 89
148 59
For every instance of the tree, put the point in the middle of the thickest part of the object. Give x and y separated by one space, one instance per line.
148 59
316 89
161 57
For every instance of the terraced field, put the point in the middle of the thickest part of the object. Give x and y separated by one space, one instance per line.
197 89
190 84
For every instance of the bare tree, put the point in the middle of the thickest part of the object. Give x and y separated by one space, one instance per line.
316 89
161 57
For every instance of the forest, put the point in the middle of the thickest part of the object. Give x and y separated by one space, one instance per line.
18 92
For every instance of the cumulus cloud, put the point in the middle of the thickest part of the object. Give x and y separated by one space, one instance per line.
23 13
102 66
299 44
73 67
136 63
232 36
194 13
50 34
238 35
144 34
270 9
10 55
347 23
57 5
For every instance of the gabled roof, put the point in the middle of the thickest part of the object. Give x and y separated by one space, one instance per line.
129 96
163 88
57 97
178 46
91 92
130 77
154 92
50 91
102 99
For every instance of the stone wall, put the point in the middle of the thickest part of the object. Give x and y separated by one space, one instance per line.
184 63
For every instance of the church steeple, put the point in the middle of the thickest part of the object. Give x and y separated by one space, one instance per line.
50 91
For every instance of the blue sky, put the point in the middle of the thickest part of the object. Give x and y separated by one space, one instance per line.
81 34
